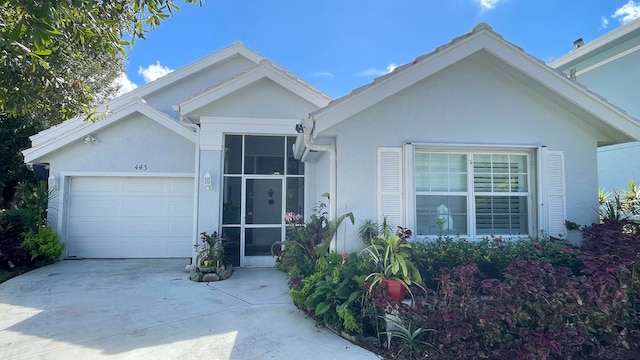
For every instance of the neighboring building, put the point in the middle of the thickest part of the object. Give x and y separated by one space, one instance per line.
477 138
610 66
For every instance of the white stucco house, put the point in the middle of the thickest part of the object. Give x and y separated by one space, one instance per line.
610 66
476 138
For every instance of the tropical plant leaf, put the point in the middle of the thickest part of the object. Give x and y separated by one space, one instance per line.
322 308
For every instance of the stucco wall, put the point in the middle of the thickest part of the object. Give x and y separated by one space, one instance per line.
618 81
617 165
262 99
209 200
135 140
471 102
317 181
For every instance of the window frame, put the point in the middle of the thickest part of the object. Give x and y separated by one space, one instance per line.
531 195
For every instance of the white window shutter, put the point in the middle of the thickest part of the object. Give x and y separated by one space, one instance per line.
556 195
389 183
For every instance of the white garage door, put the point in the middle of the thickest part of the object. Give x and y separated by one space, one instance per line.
130 217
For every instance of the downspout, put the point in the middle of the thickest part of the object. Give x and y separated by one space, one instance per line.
196 179
333 180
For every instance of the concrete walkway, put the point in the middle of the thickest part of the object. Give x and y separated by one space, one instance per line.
134 309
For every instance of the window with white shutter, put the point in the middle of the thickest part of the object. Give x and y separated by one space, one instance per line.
390 183
556 197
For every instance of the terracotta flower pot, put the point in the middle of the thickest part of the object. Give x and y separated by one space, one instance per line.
395 290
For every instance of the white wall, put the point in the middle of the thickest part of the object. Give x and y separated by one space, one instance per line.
135 140
471 102
209 205
617 165
262 99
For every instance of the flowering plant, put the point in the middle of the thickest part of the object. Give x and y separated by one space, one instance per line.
314 237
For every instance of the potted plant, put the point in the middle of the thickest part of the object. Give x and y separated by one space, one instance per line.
211 255
390 255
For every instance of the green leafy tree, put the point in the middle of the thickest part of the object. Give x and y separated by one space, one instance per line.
41 41
58 58
101 71
14 136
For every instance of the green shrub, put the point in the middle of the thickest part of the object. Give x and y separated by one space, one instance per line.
524 299
333 293
46 243
293 261
31 206
490 255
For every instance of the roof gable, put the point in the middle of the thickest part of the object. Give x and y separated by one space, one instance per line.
519 64
218 57
43 148
265 70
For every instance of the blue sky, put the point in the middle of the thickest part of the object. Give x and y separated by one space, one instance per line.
339 45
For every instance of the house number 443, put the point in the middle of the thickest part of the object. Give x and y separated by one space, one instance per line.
140 167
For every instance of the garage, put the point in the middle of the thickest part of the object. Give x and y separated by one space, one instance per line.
130 217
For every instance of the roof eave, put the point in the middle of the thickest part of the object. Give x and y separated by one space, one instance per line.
36 153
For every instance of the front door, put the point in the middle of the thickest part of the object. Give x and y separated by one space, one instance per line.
262 181
263 216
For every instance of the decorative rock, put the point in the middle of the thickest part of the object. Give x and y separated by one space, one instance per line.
225 272
209 277
195 276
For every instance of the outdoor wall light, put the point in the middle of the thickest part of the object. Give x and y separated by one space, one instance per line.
89 139
52 182
206 180
299 128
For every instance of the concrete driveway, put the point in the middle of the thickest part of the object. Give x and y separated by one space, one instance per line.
134 309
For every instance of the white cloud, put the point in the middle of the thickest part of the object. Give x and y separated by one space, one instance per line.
124 84
488 4
605 23
628 12
325 74
153 71
378 72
